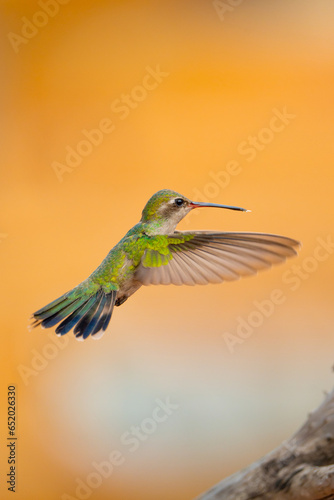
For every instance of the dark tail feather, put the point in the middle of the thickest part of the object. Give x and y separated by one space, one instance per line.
68 323
88 321
52 308
110 311
88 314
105 316
55 318
95 318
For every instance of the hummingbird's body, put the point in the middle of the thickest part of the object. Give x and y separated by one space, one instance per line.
152 252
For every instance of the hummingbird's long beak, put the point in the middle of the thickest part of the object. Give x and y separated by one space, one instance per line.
196 204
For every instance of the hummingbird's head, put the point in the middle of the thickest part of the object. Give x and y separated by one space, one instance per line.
166 208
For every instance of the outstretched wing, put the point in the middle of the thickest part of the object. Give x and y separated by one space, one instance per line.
202 257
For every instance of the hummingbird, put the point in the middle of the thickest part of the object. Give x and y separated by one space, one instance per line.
154 253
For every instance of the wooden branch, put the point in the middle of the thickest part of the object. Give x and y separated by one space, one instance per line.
300 468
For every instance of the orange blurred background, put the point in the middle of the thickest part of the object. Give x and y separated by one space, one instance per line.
223 77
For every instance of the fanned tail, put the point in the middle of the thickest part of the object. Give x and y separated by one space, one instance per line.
88 313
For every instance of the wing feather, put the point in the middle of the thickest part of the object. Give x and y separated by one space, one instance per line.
204 257
191 276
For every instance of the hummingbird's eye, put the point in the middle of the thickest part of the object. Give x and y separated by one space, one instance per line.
179 202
